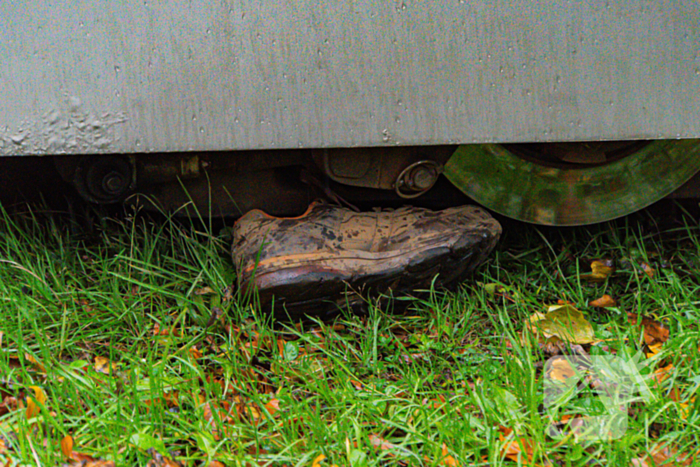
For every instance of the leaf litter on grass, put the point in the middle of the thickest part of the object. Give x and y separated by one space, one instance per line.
157 363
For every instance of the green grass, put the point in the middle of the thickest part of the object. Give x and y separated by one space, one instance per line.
145 352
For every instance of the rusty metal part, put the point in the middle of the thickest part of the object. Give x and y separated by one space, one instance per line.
223 194
417 178
99 179
378 168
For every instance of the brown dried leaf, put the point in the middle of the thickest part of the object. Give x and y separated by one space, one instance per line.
447 459
654 331
8 404
648 270
603 302
273 406
195 352
380 443
158 331
666 456
663 373
519 450
161 461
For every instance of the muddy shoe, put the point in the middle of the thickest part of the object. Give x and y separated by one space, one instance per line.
311 260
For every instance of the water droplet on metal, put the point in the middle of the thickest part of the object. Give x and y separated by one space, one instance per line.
18 138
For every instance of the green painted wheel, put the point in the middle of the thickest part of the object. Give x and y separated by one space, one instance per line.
534 188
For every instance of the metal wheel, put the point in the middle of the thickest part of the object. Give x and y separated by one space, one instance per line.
572 183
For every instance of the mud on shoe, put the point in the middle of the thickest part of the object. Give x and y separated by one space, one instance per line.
309 262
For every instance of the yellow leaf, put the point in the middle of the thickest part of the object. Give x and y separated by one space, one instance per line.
318 460
654 349
565 322
32 408
67 446
39 394
37 364
103 365
601 269
560 369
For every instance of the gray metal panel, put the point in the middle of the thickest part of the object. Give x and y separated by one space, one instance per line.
171 75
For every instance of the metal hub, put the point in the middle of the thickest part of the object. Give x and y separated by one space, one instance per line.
528 183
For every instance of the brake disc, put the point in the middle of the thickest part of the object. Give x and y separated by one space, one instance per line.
537 190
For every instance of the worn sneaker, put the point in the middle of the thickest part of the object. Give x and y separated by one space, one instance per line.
331 254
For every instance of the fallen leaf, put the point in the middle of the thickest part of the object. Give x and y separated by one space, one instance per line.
654 331
565 322
517 450
380 443
663 373
273 406
666 456
103 365
67 446
447 459
39 398
8 404
601 269
648 270
317 461
195 352
559 369
159 460
36 363
204 291
603 302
